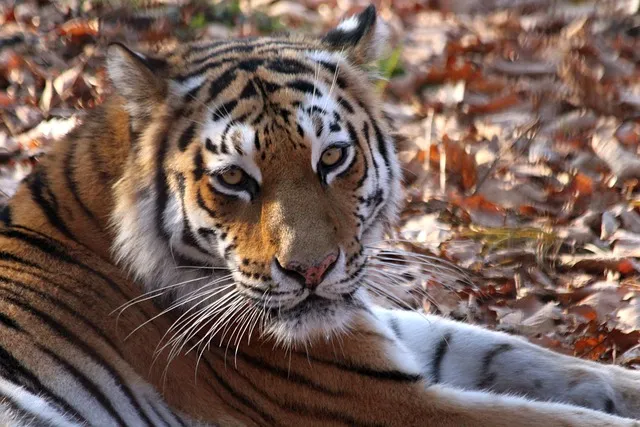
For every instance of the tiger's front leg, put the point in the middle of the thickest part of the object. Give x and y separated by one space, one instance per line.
473 358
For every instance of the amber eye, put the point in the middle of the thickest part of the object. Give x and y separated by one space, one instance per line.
232 176
332 156
234 181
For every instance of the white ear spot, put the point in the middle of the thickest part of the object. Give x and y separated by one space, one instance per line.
364 36
349 24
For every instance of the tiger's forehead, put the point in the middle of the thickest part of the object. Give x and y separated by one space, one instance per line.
257 105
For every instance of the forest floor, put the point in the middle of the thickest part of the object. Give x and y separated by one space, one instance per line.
520 124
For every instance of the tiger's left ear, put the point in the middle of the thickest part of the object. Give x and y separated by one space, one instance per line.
363 37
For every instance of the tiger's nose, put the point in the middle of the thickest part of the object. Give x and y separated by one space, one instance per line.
310 276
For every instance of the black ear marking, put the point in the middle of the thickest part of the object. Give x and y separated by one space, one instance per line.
362 37
347 33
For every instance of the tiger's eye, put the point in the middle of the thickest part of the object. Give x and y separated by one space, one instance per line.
331 156
232 176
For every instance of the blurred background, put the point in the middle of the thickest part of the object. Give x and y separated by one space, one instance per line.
519 124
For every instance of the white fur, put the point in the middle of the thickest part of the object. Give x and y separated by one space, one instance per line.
349 24
30 403
524 368
88 407
181 88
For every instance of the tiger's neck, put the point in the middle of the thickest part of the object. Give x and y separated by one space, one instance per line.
69 195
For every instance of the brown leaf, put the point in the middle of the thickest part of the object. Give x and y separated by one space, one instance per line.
494 105
79 27
590 347
458 161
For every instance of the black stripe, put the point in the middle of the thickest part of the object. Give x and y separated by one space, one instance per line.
346 105
201 69
287 66
88 385
301 409
304 86
289 375
48 277
486 377
186 137
64 306
390 375
69 172
353 137
9 322
382 146
206 46
234 48
5 256
63 332
249 406
5 215
11 367
188 237
256 140
54 249
249 90
198 168
609 407
207 233
203 205
250 65
26 418
315 109
247 45
161 186
223 138
42 195
438 356
367 135
333 69
158 411
224 110
209 145
221 83
395 327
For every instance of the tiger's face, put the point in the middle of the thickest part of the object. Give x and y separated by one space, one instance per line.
273 169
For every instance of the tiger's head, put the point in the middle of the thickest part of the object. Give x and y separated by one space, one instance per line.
260 170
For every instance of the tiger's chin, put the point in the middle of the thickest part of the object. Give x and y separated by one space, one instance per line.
315 317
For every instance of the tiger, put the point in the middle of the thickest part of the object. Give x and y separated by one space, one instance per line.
227 200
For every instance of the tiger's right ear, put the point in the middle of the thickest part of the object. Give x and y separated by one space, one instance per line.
363 37
141 80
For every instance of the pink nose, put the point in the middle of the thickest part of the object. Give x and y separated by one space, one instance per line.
311 276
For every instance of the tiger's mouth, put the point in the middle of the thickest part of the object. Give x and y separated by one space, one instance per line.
305 313
313 303
314 316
